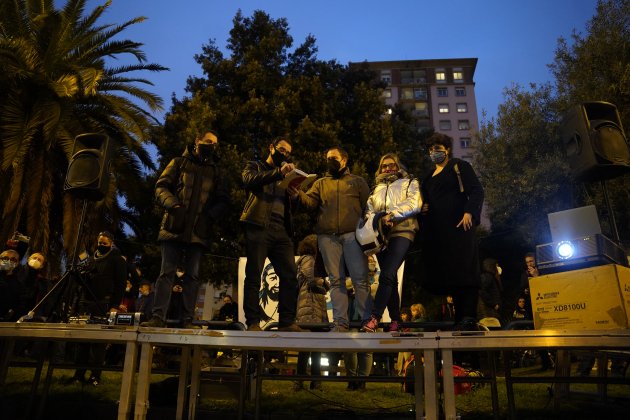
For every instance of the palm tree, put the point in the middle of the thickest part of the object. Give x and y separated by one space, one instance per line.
56 83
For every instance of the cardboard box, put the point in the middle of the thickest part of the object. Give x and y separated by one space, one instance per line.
596 298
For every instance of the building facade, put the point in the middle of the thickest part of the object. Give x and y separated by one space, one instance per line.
440 93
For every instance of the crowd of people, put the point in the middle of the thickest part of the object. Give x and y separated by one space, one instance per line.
440 210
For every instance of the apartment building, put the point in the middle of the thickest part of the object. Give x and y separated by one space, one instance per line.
439 92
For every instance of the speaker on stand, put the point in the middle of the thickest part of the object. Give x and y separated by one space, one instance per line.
87 179
596 146
89 167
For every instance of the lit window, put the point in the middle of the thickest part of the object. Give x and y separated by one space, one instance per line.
458 75
460 91
421 109
406 93
463 125
419 93
440 76
387 93
464 142
445 125
386 76
443 108
462 107
442 92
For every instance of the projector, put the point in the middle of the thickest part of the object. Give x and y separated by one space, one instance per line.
573 254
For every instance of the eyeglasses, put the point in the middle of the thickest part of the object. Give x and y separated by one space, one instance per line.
6 258
389 166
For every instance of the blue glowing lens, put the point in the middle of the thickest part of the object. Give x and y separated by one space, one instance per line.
565 249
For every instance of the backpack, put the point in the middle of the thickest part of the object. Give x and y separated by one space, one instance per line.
409 379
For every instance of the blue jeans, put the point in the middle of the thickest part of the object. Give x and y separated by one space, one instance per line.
341 253
272 242
390 260
187 256
358 364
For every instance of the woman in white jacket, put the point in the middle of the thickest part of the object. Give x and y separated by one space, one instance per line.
397 197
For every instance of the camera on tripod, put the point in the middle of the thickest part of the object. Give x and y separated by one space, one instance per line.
19 237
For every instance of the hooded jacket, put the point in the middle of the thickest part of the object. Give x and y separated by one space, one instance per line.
201 190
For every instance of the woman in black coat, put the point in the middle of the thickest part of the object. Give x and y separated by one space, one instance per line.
452 200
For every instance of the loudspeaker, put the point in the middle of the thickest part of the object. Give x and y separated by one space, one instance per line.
88 169
595 143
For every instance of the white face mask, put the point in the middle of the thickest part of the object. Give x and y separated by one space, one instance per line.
499 269
34 264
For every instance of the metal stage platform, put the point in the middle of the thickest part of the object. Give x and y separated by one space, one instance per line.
436 347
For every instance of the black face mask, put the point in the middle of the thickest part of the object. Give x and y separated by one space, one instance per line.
278 158
103 249
207 150
334 166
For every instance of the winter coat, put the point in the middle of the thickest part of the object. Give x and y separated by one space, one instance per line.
490 291
106 280
399 195
341 202
311 305
144 305
450 252
201 190
261 179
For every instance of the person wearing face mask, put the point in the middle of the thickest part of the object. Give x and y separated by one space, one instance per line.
340 198
194 193
35 283
489 304
452 200
397 196
105 287
267 221
144 303
11 287
176 305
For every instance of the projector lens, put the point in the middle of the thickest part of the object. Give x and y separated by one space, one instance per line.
565 249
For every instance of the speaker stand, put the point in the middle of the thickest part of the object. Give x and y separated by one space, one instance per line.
67 291
611 214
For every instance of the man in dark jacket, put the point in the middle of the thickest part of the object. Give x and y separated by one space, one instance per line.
144 303
340 198
267 220
10 285
229 310
194 193
105 284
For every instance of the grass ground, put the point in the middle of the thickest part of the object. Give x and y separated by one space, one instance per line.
279 401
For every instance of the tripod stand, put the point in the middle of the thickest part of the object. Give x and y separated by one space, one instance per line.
62 300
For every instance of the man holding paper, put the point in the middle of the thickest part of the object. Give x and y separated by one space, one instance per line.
268 231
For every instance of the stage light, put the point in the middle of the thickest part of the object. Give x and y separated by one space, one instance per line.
565 250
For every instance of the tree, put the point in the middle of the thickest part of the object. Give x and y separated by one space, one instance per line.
265 89
596 67
56 84
521 163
